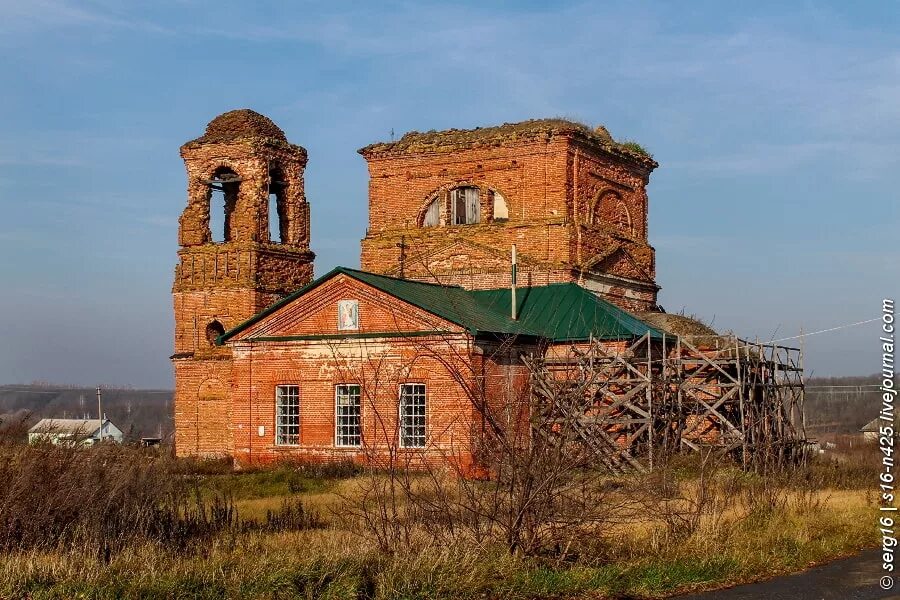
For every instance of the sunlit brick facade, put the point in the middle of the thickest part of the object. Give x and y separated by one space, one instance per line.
571 199
264 372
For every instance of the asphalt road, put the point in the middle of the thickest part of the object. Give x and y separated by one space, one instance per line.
854 578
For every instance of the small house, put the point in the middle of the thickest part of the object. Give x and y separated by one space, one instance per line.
871 430
74 431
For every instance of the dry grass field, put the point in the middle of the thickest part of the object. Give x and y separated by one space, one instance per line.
121 523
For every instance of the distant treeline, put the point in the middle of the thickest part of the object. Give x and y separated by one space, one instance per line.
841 404
138 413
833 405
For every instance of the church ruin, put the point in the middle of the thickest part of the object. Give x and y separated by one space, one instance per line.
403 354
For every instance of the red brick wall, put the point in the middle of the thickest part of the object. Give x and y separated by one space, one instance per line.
379 367
203 406
566 203
231 281
316 313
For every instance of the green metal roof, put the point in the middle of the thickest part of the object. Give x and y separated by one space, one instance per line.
558 312
566 312
450 302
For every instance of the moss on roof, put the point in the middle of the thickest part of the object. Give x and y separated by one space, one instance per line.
676 324
240 124
506 134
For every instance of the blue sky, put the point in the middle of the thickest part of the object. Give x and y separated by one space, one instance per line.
777 130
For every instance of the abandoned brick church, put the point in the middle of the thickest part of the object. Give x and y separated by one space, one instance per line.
270 362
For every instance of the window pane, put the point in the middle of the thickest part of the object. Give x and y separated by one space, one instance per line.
412 415
347 415
287 414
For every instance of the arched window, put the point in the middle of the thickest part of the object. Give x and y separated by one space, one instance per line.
598 208
612 211
277 216
501 209
433 213
224 189
465 205
621 216
213 331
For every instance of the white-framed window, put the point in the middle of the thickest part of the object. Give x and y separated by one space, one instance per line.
347 430
287 415
433 213
465 205
412 415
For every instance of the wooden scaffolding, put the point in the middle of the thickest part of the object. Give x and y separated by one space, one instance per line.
638 402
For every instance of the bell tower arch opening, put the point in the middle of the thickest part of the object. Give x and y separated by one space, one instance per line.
224 191
277 206
244 244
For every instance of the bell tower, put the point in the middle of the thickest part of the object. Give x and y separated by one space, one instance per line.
243 244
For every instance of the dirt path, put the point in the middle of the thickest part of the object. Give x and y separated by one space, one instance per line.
854 578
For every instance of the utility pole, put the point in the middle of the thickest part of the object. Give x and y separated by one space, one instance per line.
512 286
100 412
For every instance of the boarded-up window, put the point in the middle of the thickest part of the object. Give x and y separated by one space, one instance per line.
465 204
433 214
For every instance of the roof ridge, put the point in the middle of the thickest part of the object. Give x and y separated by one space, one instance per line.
350 270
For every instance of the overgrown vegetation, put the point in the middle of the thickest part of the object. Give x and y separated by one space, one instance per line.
120 522
101 501
635 147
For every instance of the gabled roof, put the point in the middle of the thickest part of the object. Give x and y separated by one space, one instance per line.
85 427
558 312
874 426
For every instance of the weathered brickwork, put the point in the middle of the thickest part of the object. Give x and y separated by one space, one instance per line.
576 209
246 158
396 343
572 201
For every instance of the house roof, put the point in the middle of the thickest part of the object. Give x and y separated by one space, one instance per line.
85 427
558 312
874 425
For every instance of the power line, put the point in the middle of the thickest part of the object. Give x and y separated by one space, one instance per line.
803 335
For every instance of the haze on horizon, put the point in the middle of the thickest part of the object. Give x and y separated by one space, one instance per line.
776 128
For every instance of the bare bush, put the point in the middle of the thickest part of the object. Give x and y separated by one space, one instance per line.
688 497
512 479
106 497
